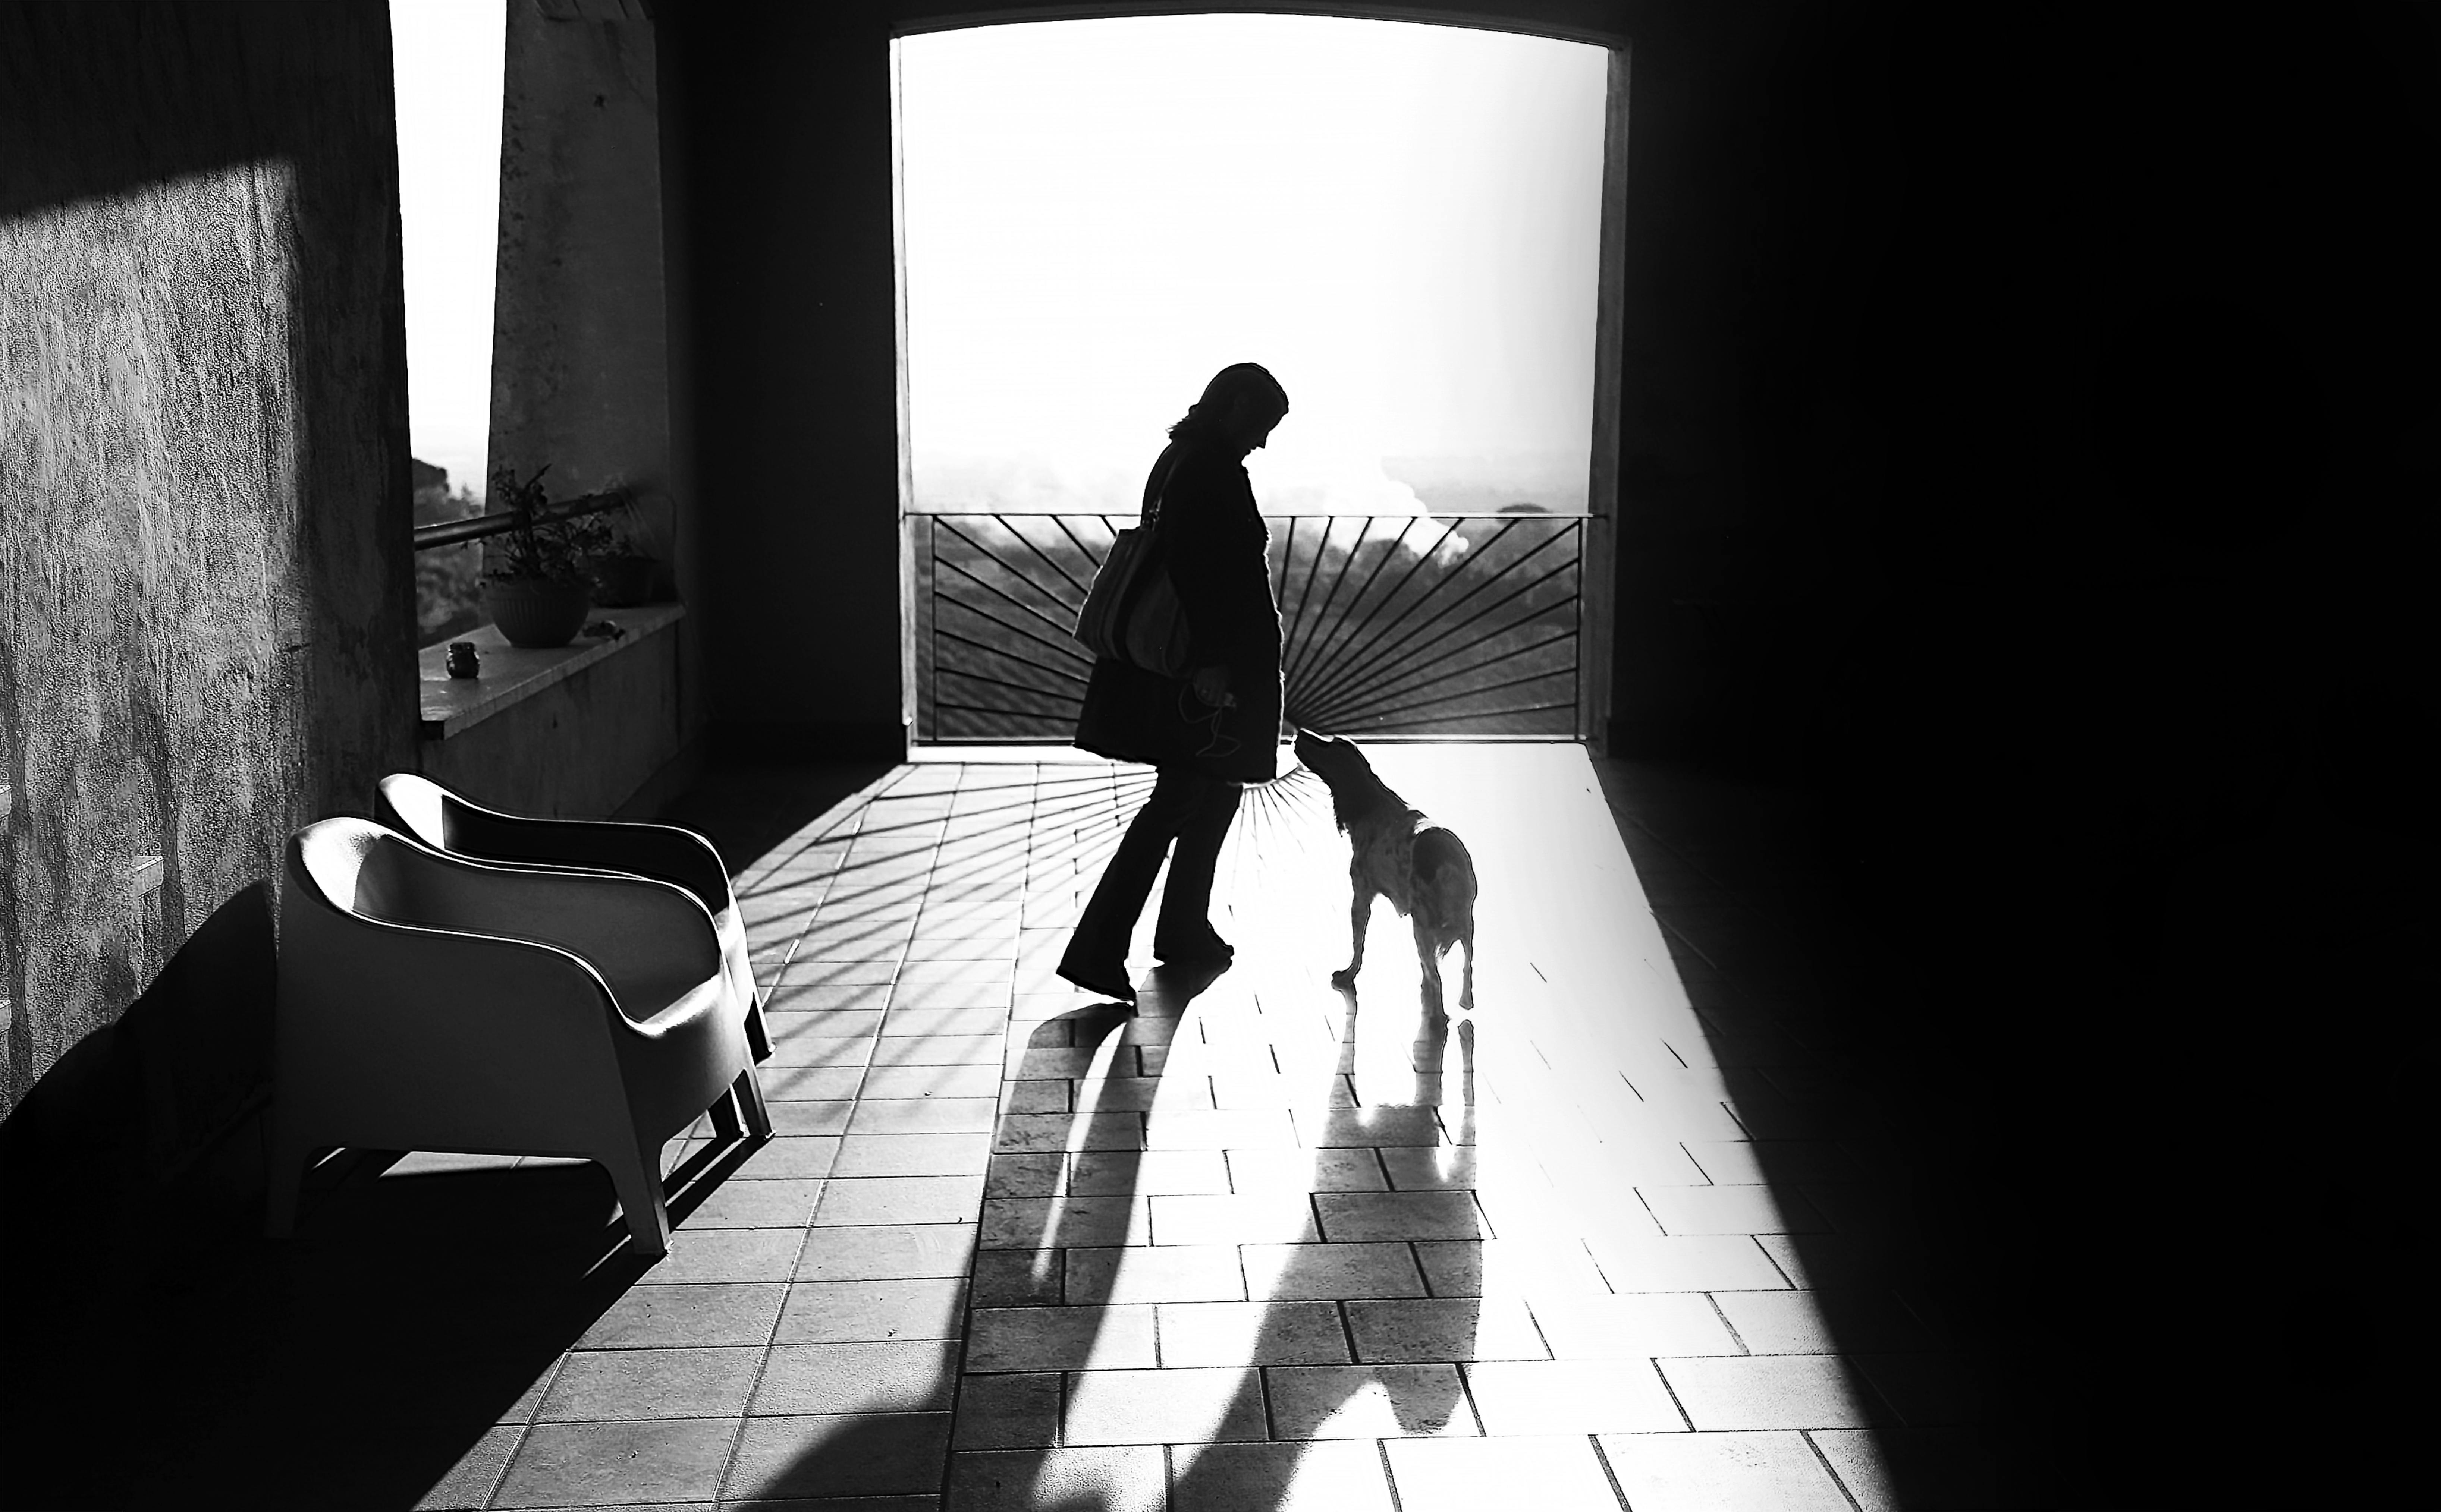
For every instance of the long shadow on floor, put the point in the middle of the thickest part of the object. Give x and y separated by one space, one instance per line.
162 1354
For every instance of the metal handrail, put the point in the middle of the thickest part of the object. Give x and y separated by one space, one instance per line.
476 527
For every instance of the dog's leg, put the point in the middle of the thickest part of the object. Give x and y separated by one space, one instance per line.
1360 916
1466 989
1428 957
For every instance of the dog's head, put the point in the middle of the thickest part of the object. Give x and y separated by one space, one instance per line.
1342 768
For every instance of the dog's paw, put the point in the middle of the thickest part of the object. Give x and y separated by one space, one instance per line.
1345 977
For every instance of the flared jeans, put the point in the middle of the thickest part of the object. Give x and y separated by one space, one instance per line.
1191 811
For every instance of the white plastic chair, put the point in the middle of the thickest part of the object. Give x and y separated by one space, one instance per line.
431 1002
417 805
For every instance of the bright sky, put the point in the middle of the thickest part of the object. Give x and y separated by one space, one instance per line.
1401 221
448 54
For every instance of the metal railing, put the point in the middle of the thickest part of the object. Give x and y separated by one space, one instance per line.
476 527
1393 627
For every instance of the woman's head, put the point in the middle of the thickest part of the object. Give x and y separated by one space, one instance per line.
1240 407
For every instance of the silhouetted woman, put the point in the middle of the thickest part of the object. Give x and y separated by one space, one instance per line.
1207 735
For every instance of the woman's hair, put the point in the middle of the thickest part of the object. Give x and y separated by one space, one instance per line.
1236 394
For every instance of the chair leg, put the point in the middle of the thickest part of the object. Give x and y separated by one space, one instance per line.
635 1175
758 1036
748 1091
725 1121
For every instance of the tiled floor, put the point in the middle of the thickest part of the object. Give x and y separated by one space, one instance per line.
1263 1245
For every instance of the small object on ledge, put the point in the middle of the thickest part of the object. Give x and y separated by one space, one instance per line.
605 629
464 661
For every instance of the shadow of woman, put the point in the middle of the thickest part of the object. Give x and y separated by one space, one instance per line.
1346 1342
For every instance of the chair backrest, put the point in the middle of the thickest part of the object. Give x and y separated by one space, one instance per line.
340 856
421 805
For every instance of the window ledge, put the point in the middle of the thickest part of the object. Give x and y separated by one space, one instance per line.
512 673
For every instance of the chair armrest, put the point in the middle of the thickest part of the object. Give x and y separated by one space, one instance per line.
651 940
662 851
388 1030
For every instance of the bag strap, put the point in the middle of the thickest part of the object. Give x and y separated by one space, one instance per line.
1158 484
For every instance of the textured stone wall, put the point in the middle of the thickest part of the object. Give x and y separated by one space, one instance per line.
204 491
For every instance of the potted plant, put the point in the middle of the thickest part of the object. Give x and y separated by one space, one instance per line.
624 574
539 587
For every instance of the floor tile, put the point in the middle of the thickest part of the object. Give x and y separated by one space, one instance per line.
1025 1176
584 1465
862 1155
930 1081
1186 1406
1212 1129
880 1199
1703 1472
809 1084
872 1454
1444 1328
914 1376
843 1311
1471 1474
1336 1170
1050 1133
821 1023
1018 1278
791 1158
1165 1273
888 1251
1148 1173
1008 1412
1572 1396
1369 1126
1731 1163
1314 1476
1356 1217
1251 1333
1067 1338
1635 1325
469 1482
1129 1478
1368 1401
924 1115
815 1050
597 1385
1422 1168
726 1254
1267 1218
1770 1390
1941 1466
1731 1210
823 1117
1821 1322
941 1050
1697 1263
1062 1222
1283 1272
673 1316
908 1019
774 1204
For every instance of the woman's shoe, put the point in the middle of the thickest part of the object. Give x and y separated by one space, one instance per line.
1101 978
1210 953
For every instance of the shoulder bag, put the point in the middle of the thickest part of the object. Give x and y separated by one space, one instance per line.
1131 613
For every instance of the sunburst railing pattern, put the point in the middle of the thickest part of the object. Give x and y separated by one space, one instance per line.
1395 628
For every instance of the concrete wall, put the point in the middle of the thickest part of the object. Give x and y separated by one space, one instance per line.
204 491
582 367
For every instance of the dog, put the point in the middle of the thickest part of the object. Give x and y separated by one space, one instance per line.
1397 854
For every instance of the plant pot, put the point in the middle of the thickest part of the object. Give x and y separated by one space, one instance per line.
538 613
620 580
